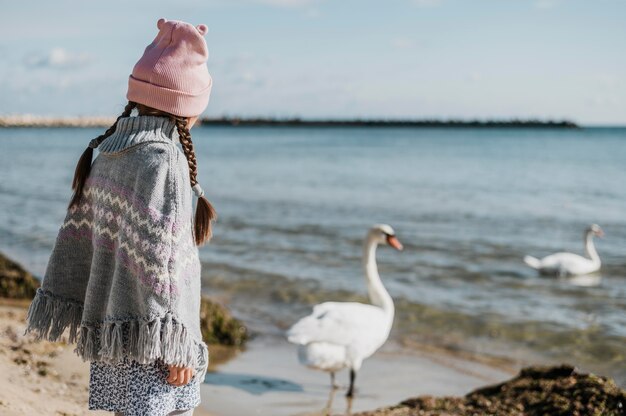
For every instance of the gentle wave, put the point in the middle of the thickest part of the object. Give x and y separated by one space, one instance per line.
281 301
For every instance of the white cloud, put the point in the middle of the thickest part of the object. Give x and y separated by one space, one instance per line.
58 58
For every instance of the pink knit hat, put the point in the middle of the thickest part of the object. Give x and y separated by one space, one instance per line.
172 75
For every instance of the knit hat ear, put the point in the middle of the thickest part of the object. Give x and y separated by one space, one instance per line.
203 29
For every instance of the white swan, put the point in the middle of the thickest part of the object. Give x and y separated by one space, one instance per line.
340 335
569 264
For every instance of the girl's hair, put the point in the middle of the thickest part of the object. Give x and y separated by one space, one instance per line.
205 213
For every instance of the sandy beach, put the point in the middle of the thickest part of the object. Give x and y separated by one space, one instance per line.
40 378
266 379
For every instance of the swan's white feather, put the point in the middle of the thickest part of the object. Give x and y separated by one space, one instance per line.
532 262
567 264
323 356
339 334
340 323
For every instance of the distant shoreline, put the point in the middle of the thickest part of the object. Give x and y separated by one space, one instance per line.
27 121
423 123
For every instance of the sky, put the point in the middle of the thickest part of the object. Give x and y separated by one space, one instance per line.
547 59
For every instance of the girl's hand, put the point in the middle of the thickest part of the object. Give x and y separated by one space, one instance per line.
179 376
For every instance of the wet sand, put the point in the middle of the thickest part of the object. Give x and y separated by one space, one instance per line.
266 379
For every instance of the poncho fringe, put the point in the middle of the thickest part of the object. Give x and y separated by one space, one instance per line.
143 340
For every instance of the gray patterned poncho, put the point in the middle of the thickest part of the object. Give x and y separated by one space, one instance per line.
124 275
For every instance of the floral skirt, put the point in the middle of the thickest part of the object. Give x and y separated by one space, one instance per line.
136 389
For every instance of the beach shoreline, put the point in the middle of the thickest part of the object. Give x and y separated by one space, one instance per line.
266 379
48 378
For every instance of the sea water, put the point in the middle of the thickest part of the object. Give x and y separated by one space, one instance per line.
294 206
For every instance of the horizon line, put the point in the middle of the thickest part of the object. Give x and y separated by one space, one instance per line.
30 120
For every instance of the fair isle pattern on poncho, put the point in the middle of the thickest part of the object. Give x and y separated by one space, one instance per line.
124 274
144 251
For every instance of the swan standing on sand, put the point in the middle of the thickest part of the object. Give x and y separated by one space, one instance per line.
569 264
340 335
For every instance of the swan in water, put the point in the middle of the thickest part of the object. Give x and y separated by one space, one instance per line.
340 335
569 264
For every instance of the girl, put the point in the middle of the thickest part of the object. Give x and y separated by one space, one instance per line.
124 275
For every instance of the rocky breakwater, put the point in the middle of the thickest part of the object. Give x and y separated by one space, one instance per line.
40 121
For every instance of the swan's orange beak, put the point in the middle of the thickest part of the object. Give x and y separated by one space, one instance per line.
600 233
393 241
